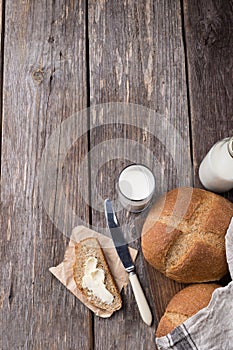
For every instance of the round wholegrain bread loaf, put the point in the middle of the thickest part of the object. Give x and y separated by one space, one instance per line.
184 235
185 304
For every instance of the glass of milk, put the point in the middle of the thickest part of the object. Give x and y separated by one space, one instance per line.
136 185
216 169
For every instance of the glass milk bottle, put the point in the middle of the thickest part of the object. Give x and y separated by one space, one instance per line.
216 169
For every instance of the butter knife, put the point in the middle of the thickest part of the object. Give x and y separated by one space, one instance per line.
123 252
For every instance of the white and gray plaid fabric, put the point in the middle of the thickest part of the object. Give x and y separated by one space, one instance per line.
212 327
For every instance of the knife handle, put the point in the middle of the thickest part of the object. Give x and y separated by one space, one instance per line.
140 299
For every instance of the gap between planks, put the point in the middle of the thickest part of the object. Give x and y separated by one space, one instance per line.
2 4
187 86
88 102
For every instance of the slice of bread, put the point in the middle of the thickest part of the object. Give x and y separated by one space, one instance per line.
84 250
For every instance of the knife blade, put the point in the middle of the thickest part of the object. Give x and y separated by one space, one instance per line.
123 252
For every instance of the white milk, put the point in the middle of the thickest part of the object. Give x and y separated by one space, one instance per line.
216 169
136 186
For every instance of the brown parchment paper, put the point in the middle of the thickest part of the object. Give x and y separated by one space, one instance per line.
64 271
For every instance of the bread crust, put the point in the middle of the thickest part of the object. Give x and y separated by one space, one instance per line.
184 235
185 304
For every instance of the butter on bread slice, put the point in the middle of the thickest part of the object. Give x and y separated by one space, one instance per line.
88 250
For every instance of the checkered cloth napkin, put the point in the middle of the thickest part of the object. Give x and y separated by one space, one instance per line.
212 327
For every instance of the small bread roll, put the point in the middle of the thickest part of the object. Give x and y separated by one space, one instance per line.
185 304
184 235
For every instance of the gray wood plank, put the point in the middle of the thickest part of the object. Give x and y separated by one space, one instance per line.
44 84
2 12
208 30
137 56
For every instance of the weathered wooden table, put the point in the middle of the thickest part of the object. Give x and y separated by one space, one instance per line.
57 58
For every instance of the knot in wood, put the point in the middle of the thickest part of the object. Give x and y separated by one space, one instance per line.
51 39
213 31
38 75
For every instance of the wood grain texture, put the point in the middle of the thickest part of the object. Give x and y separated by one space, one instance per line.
208 31
44 83
137 56
2 23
